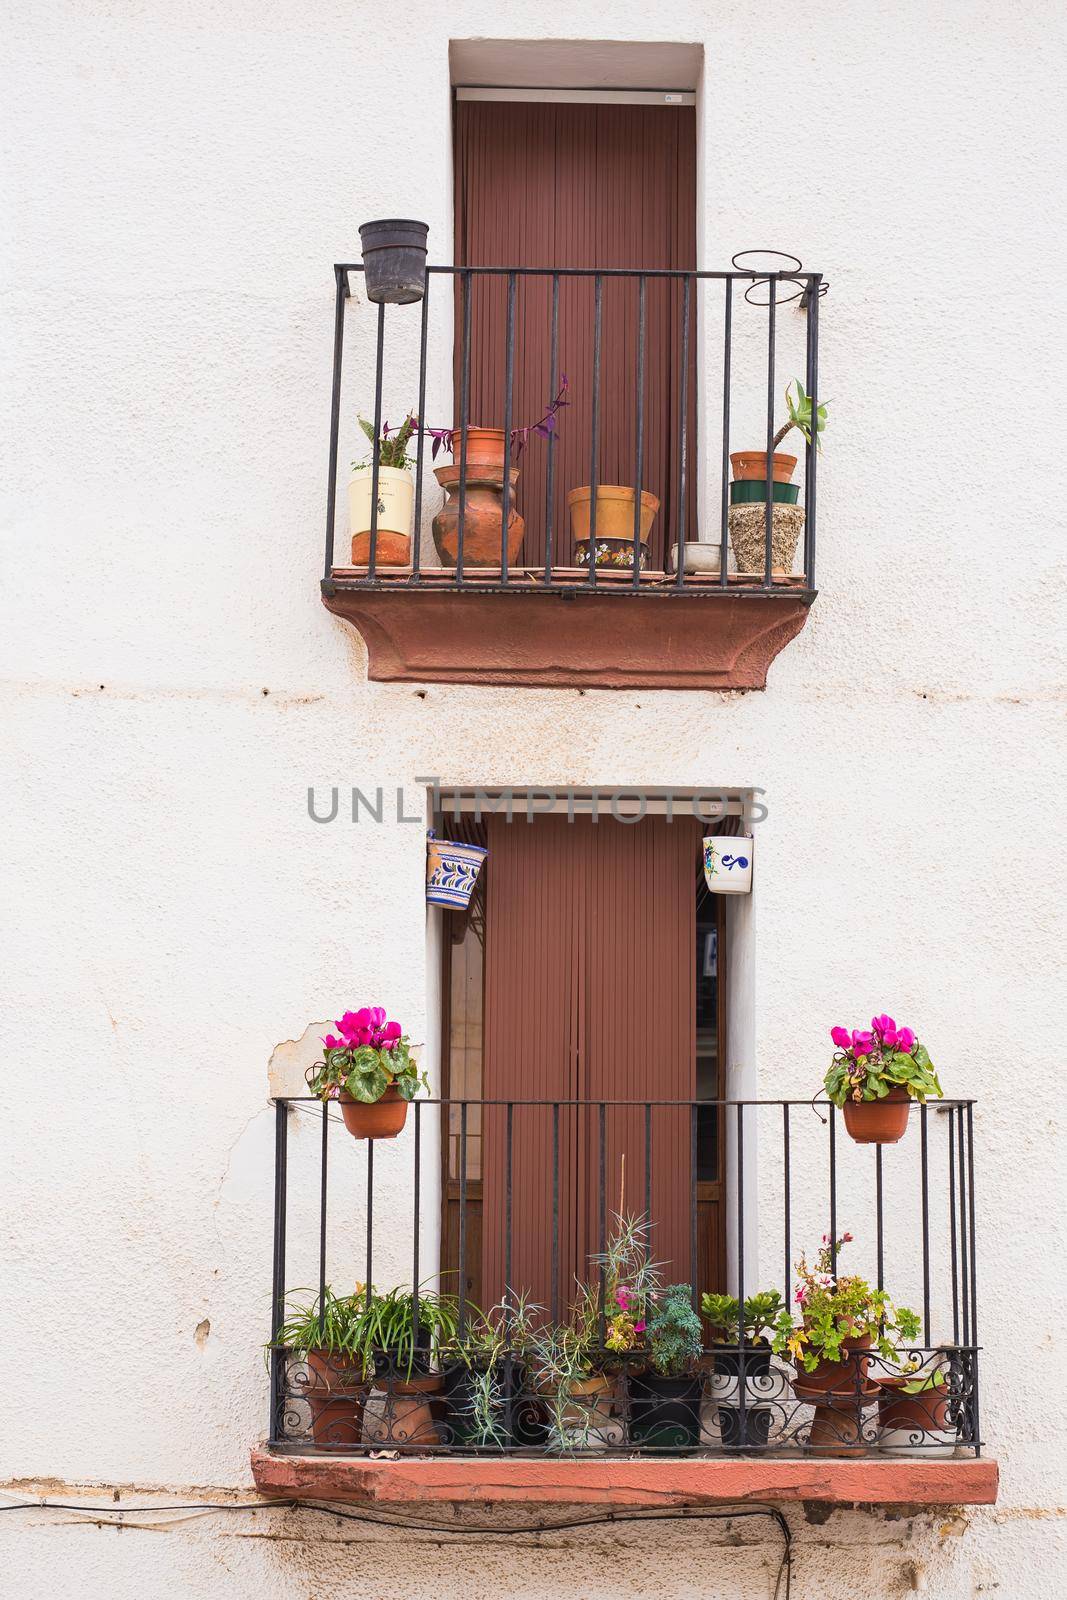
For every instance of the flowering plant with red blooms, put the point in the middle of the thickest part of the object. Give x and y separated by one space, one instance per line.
867 1065
371 1055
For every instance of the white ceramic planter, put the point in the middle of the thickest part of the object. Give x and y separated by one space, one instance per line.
728 864
452 870
396 501
699 557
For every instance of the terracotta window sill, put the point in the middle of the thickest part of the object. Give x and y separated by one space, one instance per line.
669 1481
700 638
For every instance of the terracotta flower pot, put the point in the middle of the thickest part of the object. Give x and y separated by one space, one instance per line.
614 513
483 517
400 1414
753 464
925 1412
837 1427
842 1375
381 1120
878 1121
485 448
336 1396
394 550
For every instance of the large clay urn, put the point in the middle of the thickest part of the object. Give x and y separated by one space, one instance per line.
483 517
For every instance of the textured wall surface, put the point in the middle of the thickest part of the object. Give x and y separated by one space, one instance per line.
179 179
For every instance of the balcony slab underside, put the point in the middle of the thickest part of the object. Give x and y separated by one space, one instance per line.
668 1481
569 637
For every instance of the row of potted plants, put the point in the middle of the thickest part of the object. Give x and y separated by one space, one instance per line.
479 469
627 1365
369 1068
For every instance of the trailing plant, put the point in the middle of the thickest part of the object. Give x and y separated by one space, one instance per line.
833 1309
392 444
448 438
675 1338
866 1066
799 410
371 1056
332 1326
760 1314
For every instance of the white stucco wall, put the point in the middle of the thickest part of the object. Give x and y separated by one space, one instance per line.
180 179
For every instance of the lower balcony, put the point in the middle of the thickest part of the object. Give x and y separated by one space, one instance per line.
539 1300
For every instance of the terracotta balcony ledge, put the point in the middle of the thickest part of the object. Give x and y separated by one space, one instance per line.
567 635
670 1481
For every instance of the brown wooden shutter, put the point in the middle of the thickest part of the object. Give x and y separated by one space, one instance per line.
542 185
589 994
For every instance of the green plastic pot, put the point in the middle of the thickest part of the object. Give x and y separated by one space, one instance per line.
747 491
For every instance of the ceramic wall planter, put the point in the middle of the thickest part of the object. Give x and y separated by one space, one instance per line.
394 260
748 537
451 871
382 1119
396 503
728 863
878 1121
483 517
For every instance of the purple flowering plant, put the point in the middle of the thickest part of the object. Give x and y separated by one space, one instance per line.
368 1055
868 1064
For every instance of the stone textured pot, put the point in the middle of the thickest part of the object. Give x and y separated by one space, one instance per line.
483 517
748 536
452 870
381 1120
878 1121
753 464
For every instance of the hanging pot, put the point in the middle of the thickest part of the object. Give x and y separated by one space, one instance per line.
728 863
381 1119
451 871
394 260
878 1121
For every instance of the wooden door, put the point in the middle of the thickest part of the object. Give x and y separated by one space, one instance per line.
544 185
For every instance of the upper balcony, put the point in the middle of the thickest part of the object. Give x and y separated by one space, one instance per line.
577 409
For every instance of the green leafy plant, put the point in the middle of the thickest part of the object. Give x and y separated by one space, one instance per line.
866 1066
675 1337
392 444
332 1326
370 1056
799 409
761 1312
387 1332
833 1309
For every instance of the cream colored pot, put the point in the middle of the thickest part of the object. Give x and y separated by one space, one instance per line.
396 501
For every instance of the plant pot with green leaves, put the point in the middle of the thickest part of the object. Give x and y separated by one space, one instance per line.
325 1336
747 515
741 1349
842 1323
875 1076
401 1336
665 1398
370 1071
484 1369
396 497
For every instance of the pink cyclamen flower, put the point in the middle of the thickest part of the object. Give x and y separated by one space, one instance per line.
862 1043
883 1025
331 1043
386 1037
841 1037
355 1025
905 1040
639 1327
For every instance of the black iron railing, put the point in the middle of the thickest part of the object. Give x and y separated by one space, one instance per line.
458 1291
773 290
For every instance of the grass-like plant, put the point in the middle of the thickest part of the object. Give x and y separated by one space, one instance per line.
387 1330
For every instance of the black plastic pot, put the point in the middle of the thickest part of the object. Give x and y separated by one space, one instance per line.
664 1411
756 1429
459 1403
401 1364
757 1361
394 260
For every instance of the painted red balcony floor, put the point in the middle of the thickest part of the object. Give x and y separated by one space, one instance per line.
670 1481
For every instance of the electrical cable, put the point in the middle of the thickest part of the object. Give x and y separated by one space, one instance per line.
115 1512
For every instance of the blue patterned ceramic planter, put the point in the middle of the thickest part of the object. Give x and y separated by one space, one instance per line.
451 871
728 864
